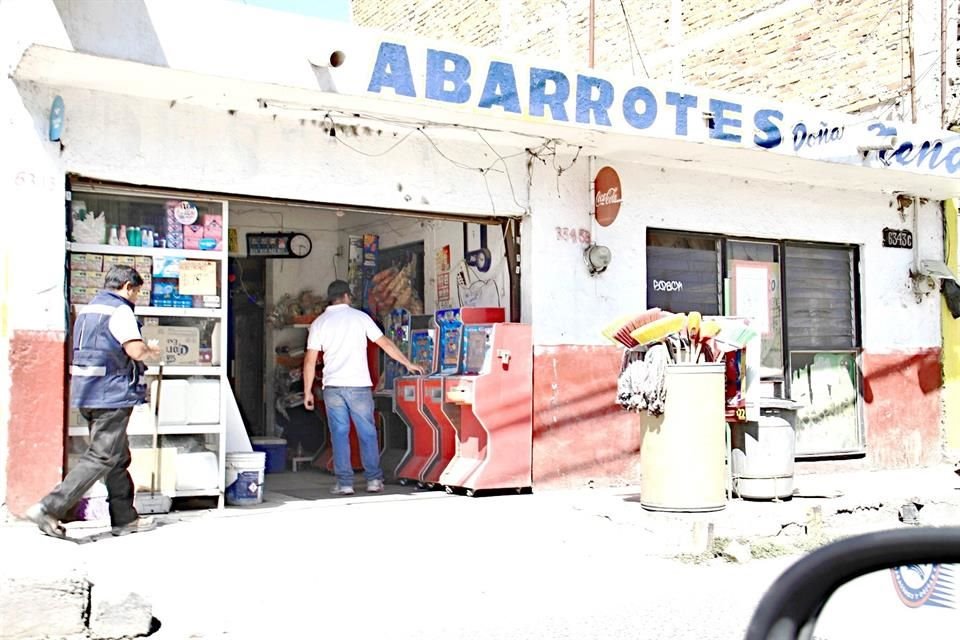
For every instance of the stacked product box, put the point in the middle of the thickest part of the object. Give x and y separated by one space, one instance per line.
166 293
89 270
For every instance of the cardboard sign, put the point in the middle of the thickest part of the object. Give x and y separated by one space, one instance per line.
198 278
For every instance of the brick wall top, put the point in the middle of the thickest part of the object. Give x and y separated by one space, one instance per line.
837 54
846 55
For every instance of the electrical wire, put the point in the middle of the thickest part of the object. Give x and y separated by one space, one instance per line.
633 40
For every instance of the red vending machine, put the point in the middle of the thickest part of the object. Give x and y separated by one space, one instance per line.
490 406
430 437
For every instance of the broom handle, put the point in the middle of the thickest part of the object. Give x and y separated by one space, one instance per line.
155 477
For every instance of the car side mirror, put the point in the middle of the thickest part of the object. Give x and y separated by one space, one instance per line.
862 579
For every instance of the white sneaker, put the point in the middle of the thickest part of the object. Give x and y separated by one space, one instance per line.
340 490
374 486
38 515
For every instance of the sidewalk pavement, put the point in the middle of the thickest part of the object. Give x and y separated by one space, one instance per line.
283 540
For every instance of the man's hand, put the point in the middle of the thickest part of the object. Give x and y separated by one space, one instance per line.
308 402
415 368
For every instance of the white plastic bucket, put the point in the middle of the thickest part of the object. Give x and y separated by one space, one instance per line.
245 478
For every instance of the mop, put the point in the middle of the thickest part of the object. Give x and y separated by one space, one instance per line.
155 501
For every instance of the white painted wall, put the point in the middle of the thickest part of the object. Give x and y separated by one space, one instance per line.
31 187
290 276
570 307
435 234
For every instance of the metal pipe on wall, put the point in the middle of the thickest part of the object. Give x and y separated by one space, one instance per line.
913 63
944 22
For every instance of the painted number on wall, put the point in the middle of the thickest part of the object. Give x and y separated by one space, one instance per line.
569 234
28 179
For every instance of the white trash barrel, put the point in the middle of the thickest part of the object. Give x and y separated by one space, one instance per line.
682 456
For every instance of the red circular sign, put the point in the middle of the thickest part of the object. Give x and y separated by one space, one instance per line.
607 196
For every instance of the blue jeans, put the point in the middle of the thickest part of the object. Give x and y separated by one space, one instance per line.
342 404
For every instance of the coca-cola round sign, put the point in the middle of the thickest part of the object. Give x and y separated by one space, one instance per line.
607 198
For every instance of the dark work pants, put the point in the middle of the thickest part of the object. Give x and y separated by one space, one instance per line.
107 457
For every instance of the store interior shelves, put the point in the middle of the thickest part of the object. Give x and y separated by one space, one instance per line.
163 430
155 252
171 312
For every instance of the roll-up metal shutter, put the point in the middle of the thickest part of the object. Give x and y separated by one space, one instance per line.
683 272
819 288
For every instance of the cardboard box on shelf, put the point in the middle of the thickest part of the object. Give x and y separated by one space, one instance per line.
82 295
85 279
86 262
166 267
192 234
126 261
213 228
178 345
143 265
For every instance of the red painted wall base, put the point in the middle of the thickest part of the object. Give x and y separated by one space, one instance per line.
35 439
582 438
901 399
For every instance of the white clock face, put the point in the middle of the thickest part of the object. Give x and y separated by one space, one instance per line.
300 245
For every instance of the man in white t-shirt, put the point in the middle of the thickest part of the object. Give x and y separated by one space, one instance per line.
341 333
106 383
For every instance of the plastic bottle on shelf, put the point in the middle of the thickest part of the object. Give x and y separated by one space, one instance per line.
124 236
113 238
137 237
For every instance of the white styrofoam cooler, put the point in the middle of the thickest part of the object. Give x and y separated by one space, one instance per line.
203 406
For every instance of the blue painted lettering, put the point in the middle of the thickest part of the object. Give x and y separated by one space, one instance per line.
447 75
902 154
500 88
764 121
824 135
539 98
637 119
933 151
587 102
683 103
720 120
392 69
952 161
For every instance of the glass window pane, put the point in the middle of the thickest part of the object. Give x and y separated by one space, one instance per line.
826 386
753 272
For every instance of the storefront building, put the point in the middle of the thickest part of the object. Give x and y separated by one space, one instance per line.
728 205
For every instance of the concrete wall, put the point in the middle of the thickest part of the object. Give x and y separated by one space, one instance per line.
31 302
580 435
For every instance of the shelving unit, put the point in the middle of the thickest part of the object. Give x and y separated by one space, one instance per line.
137 208
276 337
